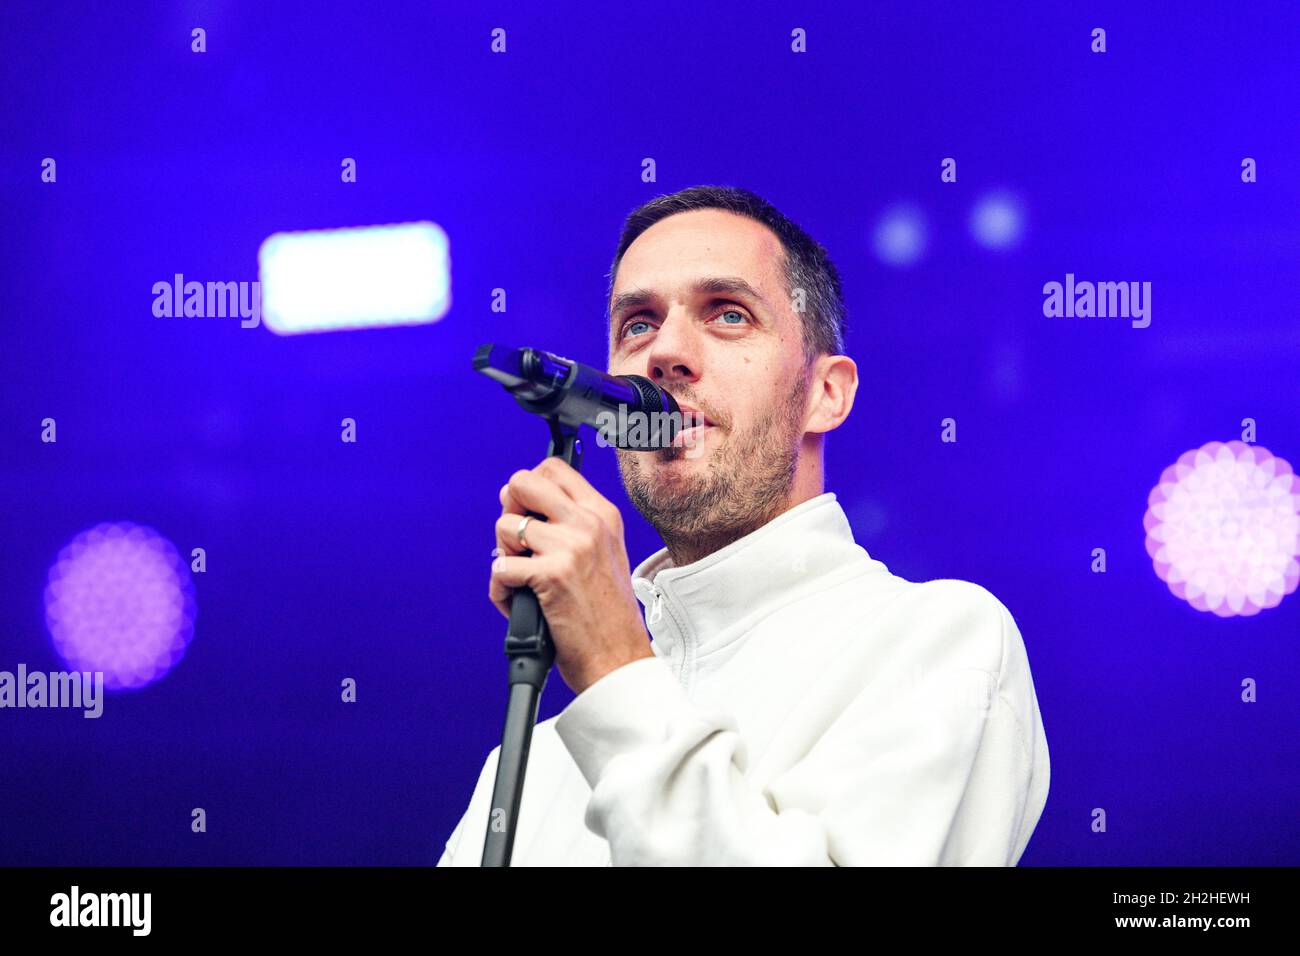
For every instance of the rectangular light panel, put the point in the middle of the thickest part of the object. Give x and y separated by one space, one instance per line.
363 277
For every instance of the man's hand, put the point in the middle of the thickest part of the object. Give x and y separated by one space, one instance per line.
578 569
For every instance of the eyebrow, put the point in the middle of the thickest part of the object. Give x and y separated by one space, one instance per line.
713 285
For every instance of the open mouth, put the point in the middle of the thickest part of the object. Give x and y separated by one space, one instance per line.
695 424
690 437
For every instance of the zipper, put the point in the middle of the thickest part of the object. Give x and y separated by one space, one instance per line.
679 643
657 608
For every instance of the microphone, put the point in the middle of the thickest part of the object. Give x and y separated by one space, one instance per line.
629 411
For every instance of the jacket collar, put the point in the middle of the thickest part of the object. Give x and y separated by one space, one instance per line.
711 601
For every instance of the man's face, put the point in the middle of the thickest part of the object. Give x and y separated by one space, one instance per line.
700 307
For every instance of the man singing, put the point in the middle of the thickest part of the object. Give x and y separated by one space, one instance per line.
793 702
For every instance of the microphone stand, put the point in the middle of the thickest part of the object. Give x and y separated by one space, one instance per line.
531 652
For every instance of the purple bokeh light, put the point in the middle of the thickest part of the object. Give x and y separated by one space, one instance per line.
998 220
1223 528
119 599
900 236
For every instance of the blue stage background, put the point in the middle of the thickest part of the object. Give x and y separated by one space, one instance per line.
370 560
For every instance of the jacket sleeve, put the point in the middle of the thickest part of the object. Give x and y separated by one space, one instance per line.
885 784
449 850
465 845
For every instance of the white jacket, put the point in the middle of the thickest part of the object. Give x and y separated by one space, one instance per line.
804 707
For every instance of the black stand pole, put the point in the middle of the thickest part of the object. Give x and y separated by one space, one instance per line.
531 653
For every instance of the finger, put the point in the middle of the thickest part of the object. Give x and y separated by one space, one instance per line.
508 575
510 572
539 536
529 491
580 490
550 467
499 594
568 479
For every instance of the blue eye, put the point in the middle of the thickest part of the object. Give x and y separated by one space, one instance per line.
630 329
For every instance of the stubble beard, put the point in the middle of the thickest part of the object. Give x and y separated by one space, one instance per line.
747 484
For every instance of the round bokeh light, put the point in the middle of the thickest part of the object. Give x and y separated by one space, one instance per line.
900 236
119 599
1223 528
997 221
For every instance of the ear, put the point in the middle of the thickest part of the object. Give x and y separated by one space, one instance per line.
831 388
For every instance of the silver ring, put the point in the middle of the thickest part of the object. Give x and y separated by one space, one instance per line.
522 525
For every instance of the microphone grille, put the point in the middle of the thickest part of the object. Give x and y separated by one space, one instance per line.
664 417
653 398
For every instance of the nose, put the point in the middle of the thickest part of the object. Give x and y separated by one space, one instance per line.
674 356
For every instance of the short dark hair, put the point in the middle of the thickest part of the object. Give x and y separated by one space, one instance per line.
807 265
